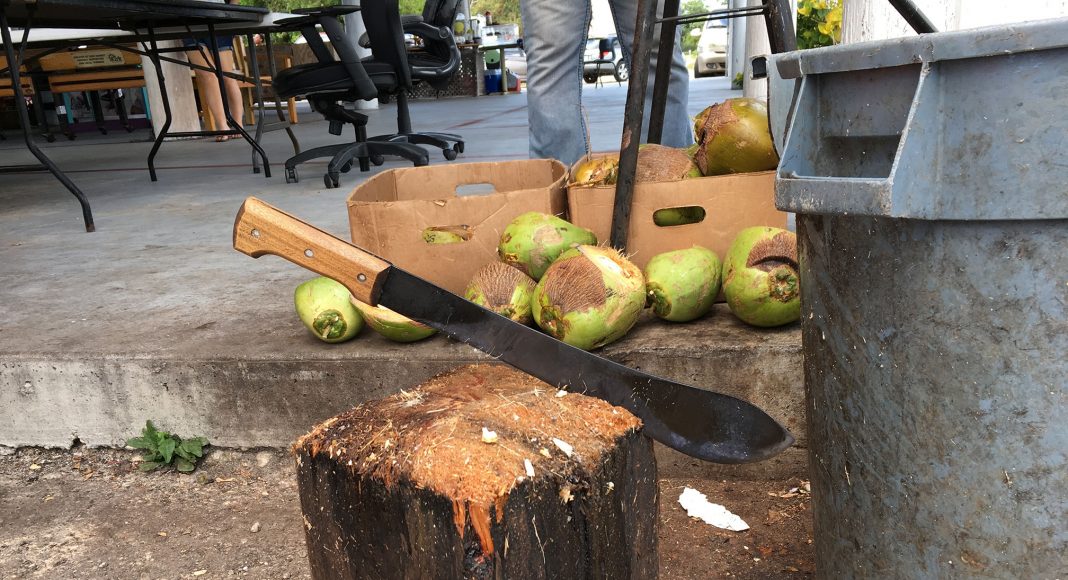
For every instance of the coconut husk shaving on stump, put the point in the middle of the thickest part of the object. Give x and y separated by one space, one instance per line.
482 472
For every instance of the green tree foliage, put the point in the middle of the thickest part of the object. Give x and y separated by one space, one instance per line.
819 23
689 43
503 11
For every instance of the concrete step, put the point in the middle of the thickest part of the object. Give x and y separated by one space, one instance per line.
278 383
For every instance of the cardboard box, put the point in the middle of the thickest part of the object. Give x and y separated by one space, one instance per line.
731 203
389 212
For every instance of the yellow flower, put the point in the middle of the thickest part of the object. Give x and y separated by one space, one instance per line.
804 9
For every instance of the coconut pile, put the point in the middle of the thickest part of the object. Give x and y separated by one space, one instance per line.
731 137
553 274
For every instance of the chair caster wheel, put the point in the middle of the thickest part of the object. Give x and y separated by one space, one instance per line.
331 181
449 154
425 160
291 175
50 138
255 168
377 160
346 167
458 147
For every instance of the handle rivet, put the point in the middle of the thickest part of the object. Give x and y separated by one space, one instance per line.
309 253
361 277
255 233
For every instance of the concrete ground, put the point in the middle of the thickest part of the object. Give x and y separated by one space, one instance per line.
155 316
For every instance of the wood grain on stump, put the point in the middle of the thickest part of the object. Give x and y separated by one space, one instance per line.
411 486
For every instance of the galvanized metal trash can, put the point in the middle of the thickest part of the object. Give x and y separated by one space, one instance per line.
930 179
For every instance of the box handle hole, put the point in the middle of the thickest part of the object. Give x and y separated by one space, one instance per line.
484 188
447 234
679 216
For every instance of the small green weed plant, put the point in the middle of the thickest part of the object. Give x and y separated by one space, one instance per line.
161 449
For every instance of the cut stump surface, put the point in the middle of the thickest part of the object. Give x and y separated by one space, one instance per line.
481 472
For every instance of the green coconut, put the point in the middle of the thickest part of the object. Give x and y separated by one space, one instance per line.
392 325
760 277
679 216
593 171
734 137
324 308
502 289
682 285
446 234
660 163
533 240
589 297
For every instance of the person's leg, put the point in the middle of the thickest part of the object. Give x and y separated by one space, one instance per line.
678 129
210 96
233 90
554 37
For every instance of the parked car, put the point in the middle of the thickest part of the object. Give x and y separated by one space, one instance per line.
711 50
603 57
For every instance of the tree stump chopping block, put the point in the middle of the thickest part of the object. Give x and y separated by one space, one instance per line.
482 472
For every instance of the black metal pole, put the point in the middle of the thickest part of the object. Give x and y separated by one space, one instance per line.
24 118
254 70
213 44
780 23
632 121
664 56
154 57
272 68
914 16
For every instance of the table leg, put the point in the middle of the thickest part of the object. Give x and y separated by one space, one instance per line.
153 55
98 111
24 121
272 67
214 45
254 66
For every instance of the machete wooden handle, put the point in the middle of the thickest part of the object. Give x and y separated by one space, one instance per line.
263 229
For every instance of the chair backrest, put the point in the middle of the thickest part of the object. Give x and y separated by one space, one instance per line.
386 35
440 12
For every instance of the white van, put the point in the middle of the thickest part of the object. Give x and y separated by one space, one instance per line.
712 50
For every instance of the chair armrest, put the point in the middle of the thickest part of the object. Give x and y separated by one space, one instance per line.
437 34
333 11
427 31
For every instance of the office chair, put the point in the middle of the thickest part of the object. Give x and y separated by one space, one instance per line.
434 63
328 83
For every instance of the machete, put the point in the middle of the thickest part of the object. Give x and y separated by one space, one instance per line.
700 423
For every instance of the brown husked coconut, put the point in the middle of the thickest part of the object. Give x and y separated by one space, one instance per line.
660 163
734 137
502 289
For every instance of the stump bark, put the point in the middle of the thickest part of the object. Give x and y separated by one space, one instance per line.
482 472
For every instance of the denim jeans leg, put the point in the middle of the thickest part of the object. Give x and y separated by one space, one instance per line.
554 35
678 130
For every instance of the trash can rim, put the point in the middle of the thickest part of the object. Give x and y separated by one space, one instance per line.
1001 39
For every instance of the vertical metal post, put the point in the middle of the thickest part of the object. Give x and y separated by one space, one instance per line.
780 21
632 121
24 117
664 55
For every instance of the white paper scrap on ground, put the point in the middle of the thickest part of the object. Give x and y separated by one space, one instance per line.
697 506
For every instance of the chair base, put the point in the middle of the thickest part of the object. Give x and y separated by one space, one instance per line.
365 153
450 144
